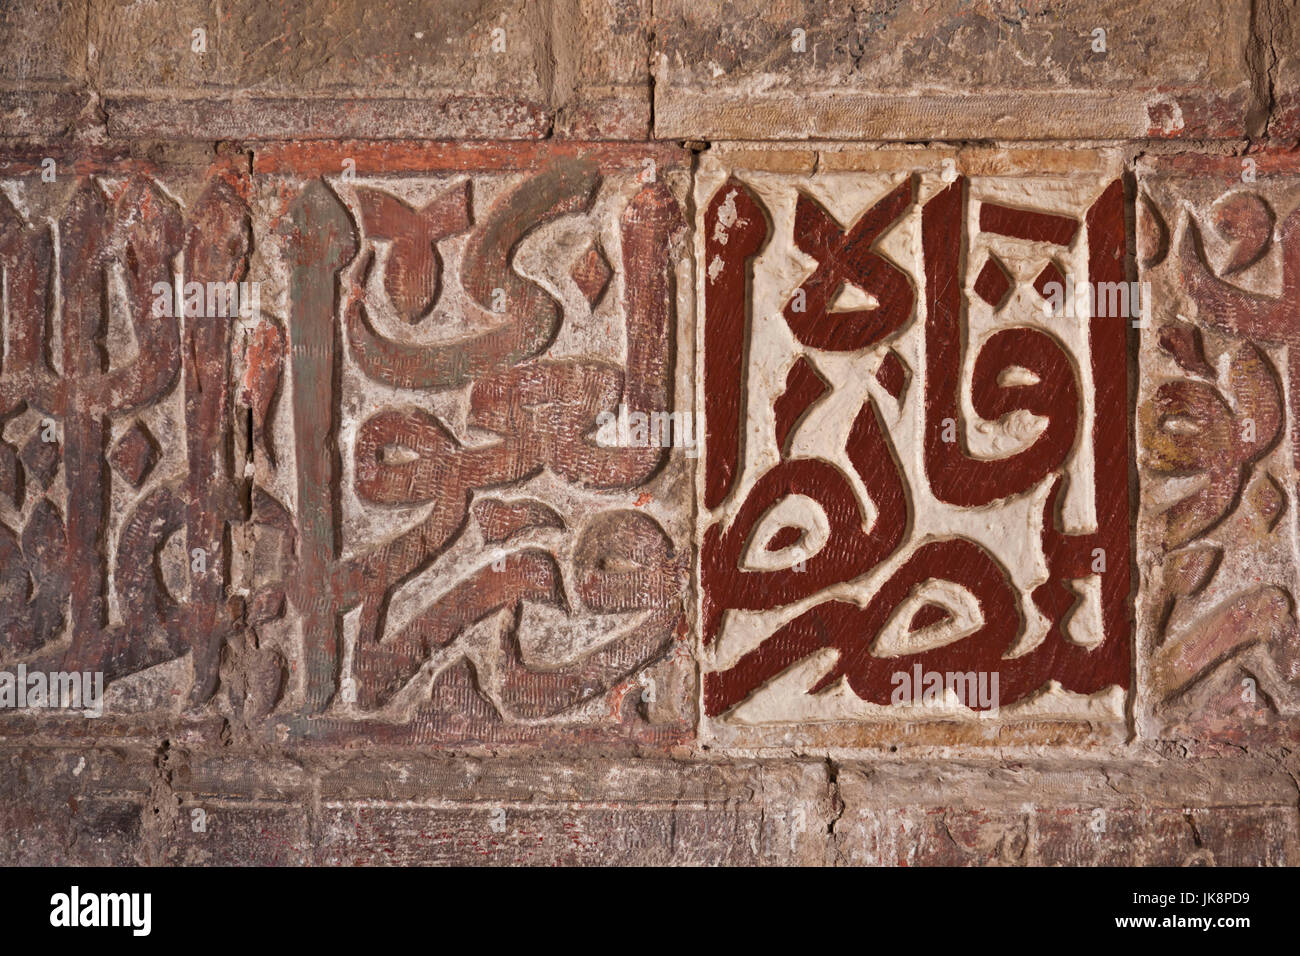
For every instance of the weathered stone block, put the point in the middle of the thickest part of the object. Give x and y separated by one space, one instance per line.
502 69
1175 813
578 812
43 57
914 525
1219 243
1131 836
237 834
601 88
808 69
69 807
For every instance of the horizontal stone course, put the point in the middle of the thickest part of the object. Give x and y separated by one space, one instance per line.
588 69
474 811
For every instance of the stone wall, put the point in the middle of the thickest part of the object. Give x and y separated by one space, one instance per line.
646 431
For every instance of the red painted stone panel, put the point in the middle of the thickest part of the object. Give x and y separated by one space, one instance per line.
120 488
953 70
457 538
903 480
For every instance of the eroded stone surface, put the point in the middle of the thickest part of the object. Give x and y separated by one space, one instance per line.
1219 241
42 67
907 476
955 70
502 69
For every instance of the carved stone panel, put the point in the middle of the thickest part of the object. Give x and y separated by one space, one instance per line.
914 518
1219 243
120 481
473 442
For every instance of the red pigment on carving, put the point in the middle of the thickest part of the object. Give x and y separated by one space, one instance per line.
848 628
